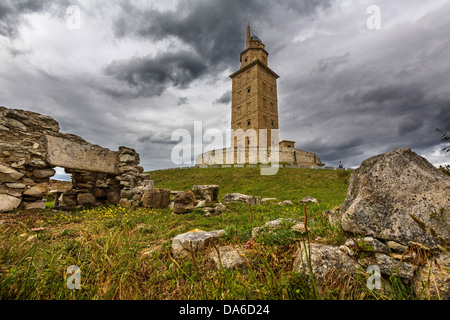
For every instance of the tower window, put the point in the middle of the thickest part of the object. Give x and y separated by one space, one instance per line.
249 89
272 123
248 122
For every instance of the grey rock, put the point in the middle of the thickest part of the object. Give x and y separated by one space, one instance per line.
308 200
220 208
389 266
4 189
274 224
18 164
156 198
181 244
395 246
8 174
183 201
268 200
285 202
44 173
386 188
229 258
278 222
209 210
86 199
367 244
210 193
299 227
239 197
127 158
8 203
433 279
324 258
37 205
16 185
37 191
200 204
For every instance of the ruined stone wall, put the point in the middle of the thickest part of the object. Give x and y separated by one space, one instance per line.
31 146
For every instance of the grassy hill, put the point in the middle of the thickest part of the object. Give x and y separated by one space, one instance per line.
327 186
124 252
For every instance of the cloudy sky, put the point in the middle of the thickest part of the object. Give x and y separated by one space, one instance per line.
131 72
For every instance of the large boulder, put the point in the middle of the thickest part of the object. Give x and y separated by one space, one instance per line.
398 196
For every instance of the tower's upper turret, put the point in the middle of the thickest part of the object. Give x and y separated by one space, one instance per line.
254 50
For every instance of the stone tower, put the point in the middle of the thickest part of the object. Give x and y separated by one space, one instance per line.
254 117
254 94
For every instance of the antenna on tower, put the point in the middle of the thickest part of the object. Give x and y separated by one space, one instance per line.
248 36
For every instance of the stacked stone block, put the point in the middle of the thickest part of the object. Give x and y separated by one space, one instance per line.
31 146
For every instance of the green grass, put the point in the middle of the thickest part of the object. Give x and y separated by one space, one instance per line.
327 186
124 252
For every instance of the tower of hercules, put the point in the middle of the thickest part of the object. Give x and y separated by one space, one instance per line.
254 116
254 102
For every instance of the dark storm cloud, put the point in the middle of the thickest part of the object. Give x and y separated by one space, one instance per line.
325 64
12 12
382 117
224 99
215 30
151 75
182 101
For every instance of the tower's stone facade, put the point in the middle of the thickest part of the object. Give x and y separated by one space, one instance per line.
254 93
254 116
